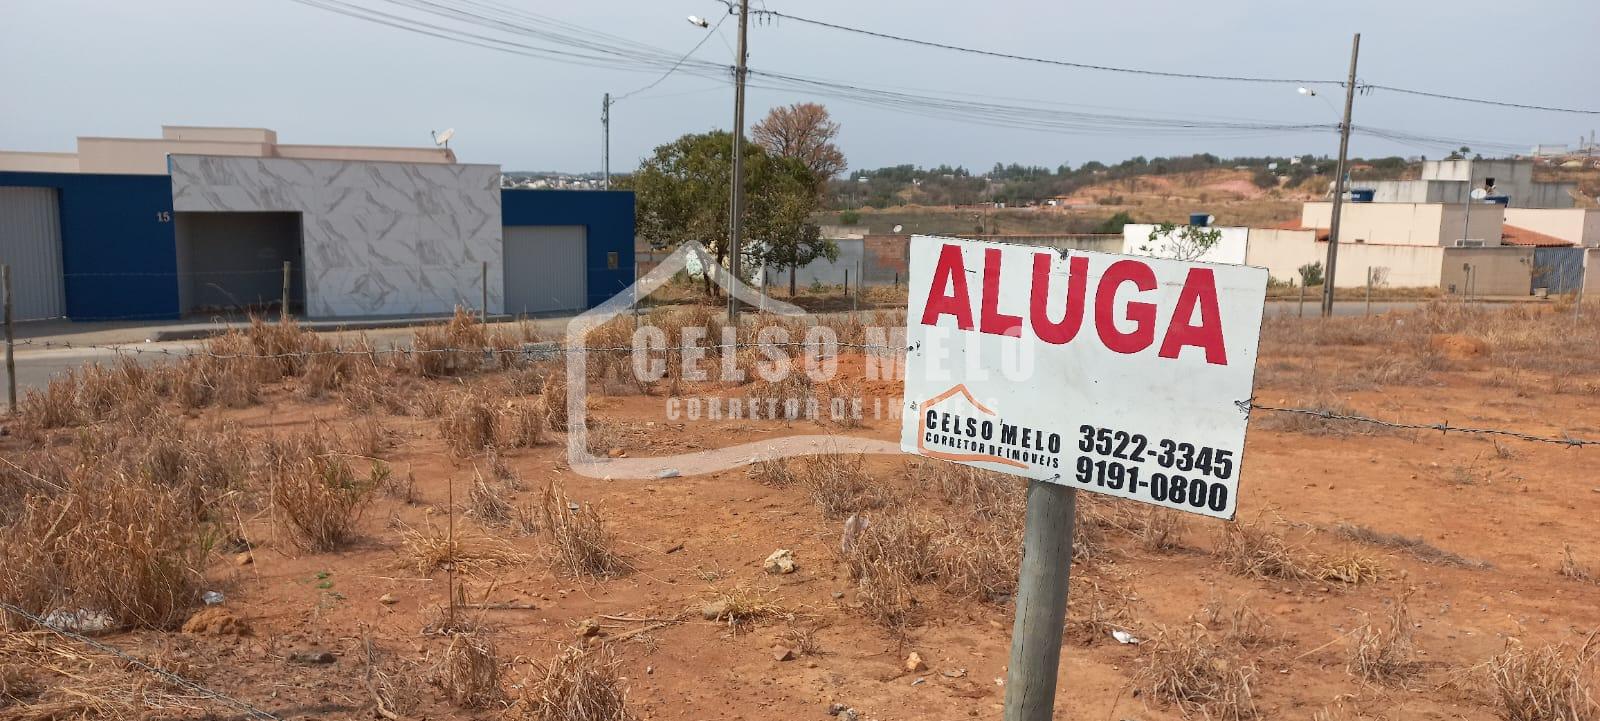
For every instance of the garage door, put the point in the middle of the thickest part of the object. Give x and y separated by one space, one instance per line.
30 242
545 268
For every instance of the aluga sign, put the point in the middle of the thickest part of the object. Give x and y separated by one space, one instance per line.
1116 374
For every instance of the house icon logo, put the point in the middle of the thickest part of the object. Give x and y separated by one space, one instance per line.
959 400
691 256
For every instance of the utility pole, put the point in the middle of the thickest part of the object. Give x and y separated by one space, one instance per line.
1338 183
736 222
605 152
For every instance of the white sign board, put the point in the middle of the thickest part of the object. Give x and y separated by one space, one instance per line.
1115 374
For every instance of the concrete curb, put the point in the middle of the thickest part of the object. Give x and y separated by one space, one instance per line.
318 326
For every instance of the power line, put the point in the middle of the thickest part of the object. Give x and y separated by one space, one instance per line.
1166 74
1047 61
1480 101
693 50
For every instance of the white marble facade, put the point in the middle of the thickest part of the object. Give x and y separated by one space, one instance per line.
380 239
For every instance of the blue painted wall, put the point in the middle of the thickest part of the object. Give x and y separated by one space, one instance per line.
608 216
118 251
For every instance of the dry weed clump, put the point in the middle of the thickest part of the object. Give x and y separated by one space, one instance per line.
1386 653
1571 568
1162 531
1416 547
470 425
1254 552
579 539
983 493
454 348
1550 682
775 472
1191 669
745 605
432 548
318 499
553 397
1244 626
522 425
487 504
575 686
469 674
108 544
839 486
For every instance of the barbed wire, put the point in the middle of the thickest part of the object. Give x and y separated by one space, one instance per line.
550 350
171 677
1442 427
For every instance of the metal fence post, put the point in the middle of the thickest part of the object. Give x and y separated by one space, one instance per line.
1041 602
1302 297
1369 290
11 363
283 307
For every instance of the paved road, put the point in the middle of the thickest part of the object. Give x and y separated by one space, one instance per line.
1340 307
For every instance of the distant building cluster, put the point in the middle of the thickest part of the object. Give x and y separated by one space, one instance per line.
551 181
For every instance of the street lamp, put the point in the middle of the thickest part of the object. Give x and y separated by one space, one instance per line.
605 111
700 21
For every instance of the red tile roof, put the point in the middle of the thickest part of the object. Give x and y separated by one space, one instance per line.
1512 235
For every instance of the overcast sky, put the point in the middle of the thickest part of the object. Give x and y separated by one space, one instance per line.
99 67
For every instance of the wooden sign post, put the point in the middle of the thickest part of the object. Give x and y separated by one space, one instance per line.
1121 375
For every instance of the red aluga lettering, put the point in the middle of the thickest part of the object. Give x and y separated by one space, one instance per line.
1077 277
1143 315
951 272
1199 289
990 319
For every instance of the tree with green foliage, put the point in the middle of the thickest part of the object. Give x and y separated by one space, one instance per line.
682 194
1113 225
1187 242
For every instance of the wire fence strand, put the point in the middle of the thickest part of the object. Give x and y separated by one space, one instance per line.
551 350
135 662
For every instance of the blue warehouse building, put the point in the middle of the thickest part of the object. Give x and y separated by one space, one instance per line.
203 220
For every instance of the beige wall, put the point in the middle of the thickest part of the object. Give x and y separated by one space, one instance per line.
1496 271
38 162
1591 275
1571 224
149 157
227 135
1488 223
1282 252
1394 266
366 153
1407 223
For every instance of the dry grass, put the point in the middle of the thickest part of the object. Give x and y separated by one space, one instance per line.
1190 669
1254 552
775 472
486 502
575 686
886 560
746 605
1415 547
1162 531
523 424
553 397
469 425
116 545
1243 626
1571 568
450 349
469 674
1553 682
838 485
1385 653
433 548
318 499
579 539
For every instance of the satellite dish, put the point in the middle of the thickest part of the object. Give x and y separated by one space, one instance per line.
897 229
1479 193
443 139
1210 220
